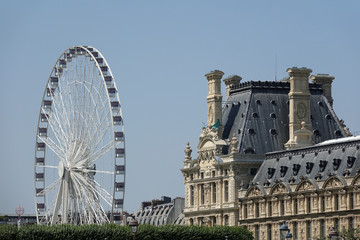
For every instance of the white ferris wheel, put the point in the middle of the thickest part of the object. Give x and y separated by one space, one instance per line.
80 143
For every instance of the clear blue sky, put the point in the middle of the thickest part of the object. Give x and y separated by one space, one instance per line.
159 52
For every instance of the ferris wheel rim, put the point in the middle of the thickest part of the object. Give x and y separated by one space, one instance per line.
108 99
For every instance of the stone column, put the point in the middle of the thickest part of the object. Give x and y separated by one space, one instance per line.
325 80
299 108
214 98
231 81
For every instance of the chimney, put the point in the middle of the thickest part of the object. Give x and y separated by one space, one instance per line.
299 108
214 100
231 81
325 80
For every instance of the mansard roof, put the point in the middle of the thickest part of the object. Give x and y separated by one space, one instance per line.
258 113
322 162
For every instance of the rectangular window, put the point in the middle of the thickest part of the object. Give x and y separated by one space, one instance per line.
336 201
336 224
257 232
322 228
245 211
351 223
270 208
282 207
308 230
226 191
295 230
308 205
257 210
191 176
323 203
202 175
269 232
202 194
213 173
296 206
351 201
214 192
191 195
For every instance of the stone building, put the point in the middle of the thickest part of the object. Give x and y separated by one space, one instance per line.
161 211
273 151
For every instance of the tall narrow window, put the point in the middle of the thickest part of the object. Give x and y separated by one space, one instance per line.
296 209
323 203
245 211
308 205
270 208
202 175
214 221
226 220
226 191
282 207
336 224
322 228
308 230
213 173
351 223
191 195
214 192
351 201
269 232
257 210
295 230
202 194
336 201
257 232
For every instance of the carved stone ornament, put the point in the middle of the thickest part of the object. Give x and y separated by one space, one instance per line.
279 188
254 192
187 152
305 186
333 183
234 144
357 181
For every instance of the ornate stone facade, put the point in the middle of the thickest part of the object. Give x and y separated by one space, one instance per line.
243 175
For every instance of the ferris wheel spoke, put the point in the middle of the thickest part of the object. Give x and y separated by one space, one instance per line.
102 151
52 145
98 171
50 188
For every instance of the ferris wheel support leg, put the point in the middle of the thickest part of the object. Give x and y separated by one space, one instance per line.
65 196
57 204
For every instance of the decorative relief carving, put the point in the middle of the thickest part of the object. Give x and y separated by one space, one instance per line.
305 186
254 192
279 188
333 183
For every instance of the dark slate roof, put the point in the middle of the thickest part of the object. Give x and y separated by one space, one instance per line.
318 162
257 112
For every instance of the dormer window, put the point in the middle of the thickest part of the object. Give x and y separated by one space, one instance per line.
283 170
350 161
322 165
296 168
271 172
336 163
309 167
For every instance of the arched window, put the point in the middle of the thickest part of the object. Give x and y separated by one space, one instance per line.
191 195
226 220
191 221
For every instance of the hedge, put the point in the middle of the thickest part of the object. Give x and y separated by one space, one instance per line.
112 232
